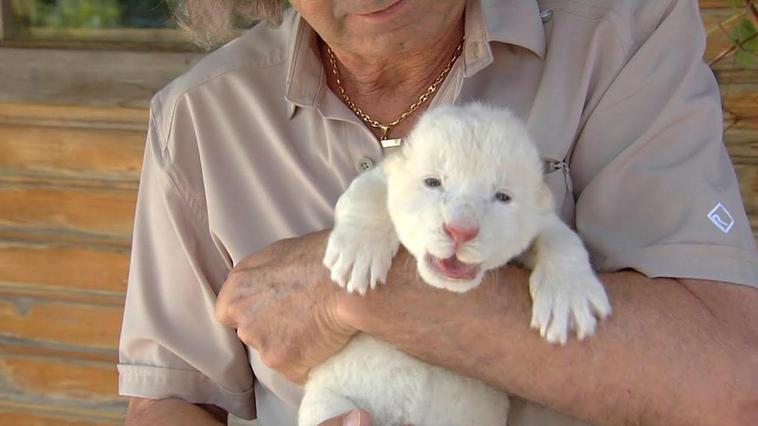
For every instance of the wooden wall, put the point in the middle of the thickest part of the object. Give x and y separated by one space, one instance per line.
71 140
72 132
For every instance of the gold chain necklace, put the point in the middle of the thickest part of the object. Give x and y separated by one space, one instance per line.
385 141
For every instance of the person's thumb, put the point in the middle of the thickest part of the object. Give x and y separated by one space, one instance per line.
356 417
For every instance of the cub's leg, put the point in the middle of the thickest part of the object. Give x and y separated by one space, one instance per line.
363 242
566 294
321 403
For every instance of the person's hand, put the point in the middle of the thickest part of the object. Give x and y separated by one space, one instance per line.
357 417
283 304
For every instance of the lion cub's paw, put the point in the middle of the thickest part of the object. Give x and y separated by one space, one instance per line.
566 298
359 259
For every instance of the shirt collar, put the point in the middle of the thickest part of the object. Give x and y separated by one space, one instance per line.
515 22
305 76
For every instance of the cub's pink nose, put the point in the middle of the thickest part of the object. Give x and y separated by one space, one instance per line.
460 234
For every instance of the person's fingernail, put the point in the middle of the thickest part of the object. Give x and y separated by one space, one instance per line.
353 419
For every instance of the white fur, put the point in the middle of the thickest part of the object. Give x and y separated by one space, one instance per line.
475 152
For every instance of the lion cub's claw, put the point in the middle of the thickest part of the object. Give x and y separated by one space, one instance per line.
358 260
567 300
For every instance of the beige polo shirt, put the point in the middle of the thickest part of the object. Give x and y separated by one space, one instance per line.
250 146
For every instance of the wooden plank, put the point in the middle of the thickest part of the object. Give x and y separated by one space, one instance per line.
63 181
62 115
6 20
67 268
89 78
78 152
742 141
748 178
741 99
99 45
106 414
61 294
736 74
180 39
35 419
58 236
86 326
108 213
60 378
28 348
141 39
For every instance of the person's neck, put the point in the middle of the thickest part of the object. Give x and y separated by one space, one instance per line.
386 86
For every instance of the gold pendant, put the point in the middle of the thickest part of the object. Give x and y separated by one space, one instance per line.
386 142
390 143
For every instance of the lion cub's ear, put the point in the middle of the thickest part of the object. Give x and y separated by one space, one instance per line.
545 201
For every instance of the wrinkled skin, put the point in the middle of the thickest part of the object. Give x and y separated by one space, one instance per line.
283 304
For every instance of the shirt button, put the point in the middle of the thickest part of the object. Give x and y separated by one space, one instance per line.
364 164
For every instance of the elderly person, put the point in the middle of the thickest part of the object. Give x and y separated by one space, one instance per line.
249 150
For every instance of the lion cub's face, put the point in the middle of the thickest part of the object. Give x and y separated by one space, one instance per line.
466 193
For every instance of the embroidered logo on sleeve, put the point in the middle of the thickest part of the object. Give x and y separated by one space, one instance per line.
721 218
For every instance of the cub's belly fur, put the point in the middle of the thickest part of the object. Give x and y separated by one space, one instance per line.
397 389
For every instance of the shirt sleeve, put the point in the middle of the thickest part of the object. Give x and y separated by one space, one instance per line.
171 344
656 191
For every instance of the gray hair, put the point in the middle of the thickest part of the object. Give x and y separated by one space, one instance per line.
211 22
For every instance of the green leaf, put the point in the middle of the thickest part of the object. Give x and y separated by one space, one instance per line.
744 58
750 45
743 31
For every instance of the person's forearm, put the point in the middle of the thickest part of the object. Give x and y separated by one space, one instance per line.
664 356
172 412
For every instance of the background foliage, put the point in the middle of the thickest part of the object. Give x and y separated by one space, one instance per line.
92 13
743 34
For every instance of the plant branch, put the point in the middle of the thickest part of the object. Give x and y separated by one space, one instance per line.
731 50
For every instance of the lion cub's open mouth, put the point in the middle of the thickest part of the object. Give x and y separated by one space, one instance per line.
453 268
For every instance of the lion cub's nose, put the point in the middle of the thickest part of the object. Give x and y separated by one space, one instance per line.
460 234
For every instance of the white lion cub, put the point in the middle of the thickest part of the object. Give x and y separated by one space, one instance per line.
464 195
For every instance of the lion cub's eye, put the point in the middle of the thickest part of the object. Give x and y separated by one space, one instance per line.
502 197
432 182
